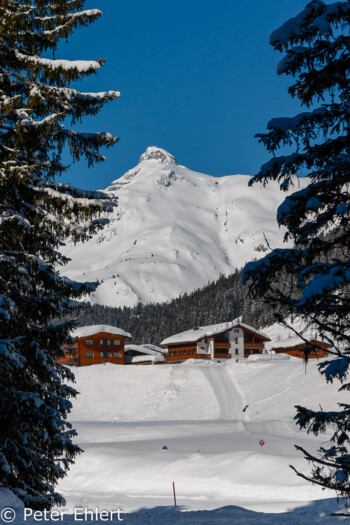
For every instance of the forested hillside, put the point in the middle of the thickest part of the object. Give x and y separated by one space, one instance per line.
219 301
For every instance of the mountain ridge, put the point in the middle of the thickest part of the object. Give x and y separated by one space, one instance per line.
174 231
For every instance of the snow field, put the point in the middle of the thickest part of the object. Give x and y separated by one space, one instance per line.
126 414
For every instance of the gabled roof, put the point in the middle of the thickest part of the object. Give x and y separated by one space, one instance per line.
87 331
196 334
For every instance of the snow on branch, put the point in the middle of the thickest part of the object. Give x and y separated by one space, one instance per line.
323 284
75 192
274 165
79 287
7 306
318 12
27 122
89 13
105 205
337 368
292 123
82 66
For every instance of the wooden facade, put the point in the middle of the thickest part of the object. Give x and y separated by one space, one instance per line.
315 350
254 343
98 348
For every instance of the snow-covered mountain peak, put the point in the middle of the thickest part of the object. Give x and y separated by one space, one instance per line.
174 230
158 154
155 163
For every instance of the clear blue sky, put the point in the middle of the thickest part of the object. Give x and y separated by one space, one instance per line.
197 78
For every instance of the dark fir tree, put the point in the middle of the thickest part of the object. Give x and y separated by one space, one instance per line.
36 215
316 47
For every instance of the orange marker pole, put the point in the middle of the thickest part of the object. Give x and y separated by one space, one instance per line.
174 493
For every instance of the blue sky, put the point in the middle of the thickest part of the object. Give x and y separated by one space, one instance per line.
197 78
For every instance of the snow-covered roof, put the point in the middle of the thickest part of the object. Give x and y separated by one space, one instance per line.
146 349
145 358
284 337
86 331
195 334
154 347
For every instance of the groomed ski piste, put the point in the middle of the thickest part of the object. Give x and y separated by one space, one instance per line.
126 416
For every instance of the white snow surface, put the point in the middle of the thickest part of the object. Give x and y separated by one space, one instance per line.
9 499
174 230
197 333
125 415
268 357
86 331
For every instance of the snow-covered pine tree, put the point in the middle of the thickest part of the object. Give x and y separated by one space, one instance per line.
36 215
316 45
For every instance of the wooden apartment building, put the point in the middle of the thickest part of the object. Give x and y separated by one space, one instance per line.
95 345
233 340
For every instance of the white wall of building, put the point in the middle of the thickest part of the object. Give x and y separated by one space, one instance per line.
236 339
211 348
202 347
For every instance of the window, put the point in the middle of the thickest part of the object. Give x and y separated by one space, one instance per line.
89 342
105 354
89 354
236 340
105 342
117 354
117 342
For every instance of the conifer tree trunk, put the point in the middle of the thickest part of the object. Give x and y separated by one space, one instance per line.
37 214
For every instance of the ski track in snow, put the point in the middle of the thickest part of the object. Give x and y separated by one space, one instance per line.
231 401
226 390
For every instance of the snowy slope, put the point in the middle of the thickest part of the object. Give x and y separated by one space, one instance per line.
175 230
125 415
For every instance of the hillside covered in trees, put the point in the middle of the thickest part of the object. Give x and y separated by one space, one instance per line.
219 301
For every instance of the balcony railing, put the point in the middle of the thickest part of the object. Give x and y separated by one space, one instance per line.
65 360
187 356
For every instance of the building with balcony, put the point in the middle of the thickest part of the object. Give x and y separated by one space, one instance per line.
95 345
233 340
